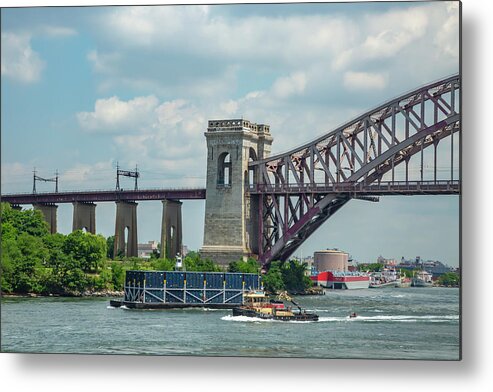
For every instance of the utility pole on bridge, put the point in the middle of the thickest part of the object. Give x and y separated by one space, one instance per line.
135 174
38 178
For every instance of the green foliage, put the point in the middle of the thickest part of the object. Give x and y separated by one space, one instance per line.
273 279
372 267
110 247
87 249
163 264
101 281
26 221
449 279
251 266
35 261
288 275
118 275
193 262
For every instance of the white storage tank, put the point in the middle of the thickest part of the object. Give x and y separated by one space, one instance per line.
331 260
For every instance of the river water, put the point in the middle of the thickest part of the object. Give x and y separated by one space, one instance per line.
392 323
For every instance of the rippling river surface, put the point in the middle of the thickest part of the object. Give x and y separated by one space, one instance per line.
393 323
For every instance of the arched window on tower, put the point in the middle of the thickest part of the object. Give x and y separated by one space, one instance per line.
224 169
252 156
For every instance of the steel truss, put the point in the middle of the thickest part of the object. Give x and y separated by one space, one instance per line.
299 190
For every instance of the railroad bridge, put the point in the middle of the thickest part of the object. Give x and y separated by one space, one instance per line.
267 206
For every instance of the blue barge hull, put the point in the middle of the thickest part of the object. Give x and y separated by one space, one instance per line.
177 289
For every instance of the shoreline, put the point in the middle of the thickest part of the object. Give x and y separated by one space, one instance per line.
121 294
86 294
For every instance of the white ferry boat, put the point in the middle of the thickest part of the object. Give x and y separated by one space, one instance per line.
422 279
388 277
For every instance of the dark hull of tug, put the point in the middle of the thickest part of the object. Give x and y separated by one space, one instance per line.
294 317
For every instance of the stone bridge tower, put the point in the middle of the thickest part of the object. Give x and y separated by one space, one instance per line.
231 227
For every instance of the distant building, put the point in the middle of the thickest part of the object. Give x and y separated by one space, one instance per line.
146 250
435 267
383 260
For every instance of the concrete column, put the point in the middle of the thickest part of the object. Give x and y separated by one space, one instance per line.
84 217
171 229
49 213
126 218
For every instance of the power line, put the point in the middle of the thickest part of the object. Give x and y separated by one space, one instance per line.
38 178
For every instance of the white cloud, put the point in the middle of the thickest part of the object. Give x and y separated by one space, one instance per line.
228 108
394 30
364 80
58 31
19 61
287 86
83 172
447 37
114 115
102 62
145 26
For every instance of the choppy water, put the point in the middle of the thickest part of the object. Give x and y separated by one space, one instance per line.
406 323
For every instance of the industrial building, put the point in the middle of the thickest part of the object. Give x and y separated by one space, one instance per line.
331 260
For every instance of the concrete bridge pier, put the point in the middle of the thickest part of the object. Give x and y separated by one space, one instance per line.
171 229
126 221
84 217
49 213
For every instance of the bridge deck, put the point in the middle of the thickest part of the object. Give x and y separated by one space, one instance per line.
103 196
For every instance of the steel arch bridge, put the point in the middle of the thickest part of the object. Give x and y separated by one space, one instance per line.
299 190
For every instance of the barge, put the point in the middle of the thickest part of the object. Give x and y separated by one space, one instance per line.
178 289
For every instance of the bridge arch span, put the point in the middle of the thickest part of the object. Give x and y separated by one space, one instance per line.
300 189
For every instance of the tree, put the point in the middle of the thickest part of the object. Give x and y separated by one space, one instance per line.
251 266
371 267
25 221
449 279
273 279
293 274
118 275
163 264
29 259
23 252
110 245
87 249
193 262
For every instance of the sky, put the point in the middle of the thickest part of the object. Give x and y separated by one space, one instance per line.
85 88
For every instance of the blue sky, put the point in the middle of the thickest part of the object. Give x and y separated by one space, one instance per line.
86 87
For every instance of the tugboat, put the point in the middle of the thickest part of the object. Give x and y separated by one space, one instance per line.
257 304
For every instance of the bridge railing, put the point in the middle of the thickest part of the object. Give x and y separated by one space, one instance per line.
452 186
104 191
